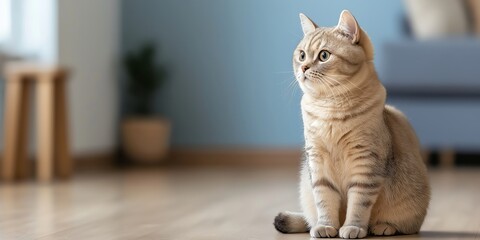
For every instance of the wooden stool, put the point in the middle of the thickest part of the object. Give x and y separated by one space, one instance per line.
52 135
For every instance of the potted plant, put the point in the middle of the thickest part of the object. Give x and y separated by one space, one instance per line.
145 135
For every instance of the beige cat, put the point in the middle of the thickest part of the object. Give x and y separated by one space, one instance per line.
363 171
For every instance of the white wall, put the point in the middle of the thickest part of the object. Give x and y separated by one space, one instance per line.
88 43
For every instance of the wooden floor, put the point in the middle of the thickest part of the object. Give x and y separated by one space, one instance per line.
200 203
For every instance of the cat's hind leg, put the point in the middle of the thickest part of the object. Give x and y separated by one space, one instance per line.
404 217
392 226
383 229
291 222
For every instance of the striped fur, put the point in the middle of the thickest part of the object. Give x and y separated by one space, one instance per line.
363 171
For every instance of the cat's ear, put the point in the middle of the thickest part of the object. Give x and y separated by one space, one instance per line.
349 25
308 25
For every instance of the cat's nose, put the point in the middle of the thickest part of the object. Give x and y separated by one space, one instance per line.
305 68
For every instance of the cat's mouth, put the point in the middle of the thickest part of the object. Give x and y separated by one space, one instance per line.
301 77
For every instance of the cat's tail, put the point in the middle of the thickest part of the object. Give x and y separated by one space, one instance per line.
291 222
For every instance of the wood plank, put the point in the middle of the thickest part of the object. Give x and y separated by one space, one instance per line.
200 203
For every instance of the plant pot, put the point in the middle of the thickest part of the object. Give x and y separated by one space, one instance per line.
146 140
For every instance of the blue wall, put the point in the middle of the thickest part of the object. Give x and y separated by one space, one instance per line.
230 62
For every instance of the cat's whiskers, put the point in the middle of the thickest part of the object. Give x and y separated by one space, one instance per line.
343 94
346 90
333 85
290 81
293 88
348 81
332 95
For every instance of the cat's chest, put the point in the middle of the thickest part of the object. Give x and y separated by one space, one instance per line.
319 128
323 136
317 125
322 129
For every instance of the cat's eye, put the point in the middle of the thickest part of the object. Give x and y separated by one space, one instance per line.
302 56
324 55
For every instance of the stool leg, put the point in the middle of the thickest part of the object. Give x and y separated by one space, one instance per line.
62 146
23 165
12 119
45 127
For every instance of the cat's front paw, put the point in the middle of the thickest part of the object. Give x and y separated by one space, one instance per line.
321 231
352 232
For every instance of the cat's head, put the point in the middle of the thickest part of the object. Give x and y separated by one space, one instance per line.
327 59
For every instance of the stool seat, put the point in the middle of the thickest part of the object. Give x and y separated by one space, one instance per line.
53 149
32 69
